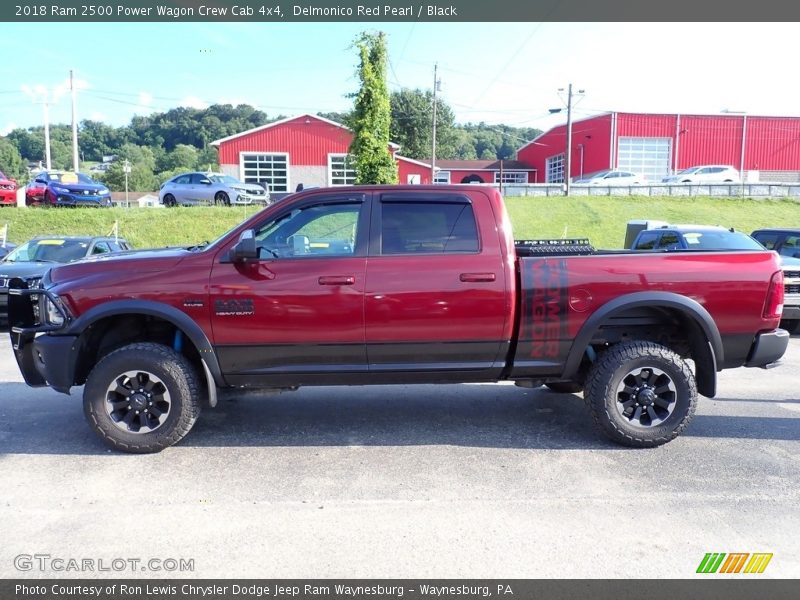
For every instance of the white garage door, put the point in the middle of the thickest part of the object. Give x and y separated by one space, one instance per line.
650 157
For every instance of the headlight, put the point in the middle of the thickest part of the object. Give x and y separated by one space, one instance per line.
102 191
60 190
53 310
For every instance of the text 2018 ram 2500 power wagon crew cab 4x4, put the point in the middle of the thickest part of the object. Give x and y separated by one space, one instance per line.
394 284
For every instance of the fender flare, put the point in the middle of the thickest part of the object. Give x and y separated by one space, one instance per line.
169 313
683 304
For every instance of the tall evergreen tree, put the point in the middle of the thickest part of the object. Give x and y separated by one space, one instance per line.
372 113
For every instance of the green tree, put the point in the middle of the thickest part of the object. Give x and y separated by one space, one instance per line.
412 125
11 163
183 156
372 113
140 179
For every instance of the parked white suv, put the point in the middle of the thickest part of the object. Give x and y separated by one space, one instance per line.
705 174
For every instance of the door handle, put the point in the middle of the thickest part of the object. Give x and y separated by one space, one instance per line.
477 277
337 280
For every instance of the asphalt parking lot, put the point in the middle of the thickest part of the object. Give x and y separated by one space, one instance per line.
406 481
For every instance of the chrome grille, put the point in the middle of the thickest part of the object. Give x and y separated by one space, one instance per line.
791 274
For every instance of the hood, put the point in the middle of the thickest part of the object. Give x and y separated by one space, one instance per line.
788 261
138 261
79 187
9 270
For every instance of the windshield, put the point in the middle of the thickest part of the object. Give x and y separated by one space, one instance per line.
720 240
70 178
689 171
49 250
223 179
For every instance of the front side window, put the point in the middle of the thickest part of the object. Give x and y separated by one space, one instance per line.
312 231
269 169
429 228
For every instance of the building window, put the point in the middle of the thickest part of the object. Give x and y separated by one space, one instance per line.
555 169
519 177
442 177
268 169
341 170
650 157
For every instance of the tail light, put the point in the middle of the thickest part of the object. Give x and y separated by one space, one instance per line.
773 307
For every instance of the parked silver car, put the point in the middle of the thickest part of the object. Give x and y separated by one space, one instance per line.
705 174
210 188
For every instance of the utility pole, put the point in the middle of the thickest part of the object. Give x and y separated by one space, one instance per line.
436 83
568 156
46 107
568 151
74 126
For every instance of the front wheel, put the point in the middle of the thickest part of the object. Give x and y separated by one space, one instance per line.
142 398
641 394
221 199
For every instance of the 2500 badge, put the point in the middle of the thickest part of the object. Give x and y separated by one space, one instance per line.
234 308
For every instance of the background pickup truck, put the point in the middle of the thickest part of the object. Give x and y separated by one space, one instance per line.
394 284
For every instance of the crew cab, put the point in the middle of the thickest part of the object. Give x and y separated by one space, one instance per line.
394 284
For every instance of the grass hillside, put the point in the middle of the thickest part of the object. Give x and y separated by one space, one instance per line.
601 219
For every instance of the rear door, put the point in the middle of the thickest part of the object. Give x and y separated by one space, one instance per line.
435 298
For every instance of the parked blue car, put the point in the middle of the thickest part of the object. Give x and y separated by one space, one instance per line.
67 188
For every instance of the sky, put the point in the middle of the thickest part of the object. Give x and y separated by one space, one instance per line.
507 73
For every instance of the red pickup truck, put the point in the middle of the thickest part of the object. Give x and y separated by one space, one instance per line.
394 284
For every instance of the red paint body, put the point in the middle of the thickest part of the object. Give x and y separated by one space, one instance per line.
422 312
8 191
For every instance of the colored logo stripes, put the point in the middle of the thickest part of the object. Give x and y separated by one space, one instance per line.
735 562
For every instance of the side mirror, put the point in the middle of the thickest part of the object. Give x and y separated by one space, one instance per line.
245 249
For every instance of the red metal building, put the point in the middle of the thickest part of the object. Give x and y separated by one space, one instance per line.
657 145
307 149
485 171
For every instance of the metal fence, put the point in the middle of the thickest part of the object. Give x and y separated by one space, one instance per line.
723 190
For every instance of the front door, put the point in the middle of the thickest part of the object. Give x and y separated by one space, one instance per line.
299 308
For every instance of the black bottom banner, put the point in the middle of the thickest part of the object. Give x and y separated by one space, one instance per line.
386 589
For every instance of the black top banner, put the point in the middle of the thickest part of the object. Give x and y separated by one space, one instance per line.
398 10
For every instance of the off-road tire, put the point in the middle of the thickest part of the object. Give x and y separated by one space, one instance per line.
603 395
564 387
175 374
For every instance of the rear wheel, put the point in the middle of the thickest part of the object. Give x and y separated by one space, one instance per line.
142 398
641 394
169 200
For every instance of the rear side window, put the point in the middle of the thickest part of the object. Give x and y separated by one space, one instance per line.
768 240
647 241
428 228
